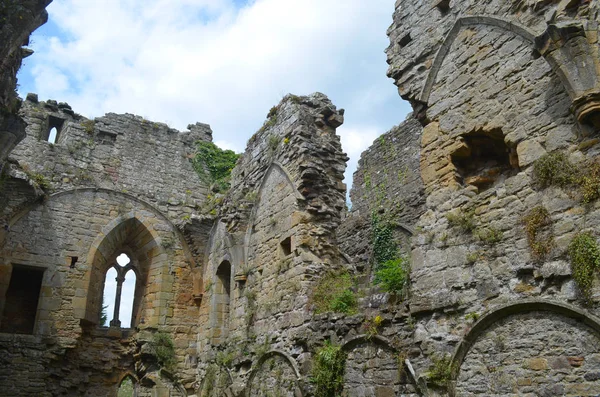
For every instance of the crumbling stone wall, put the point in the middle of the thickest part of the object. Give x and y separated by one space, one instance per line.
277 229
18 19
387 184
77 204
493 100
494 85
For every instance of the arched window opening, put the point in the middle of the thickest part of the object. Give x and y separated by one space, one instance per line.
108 299
119 294
127 388
55 125
222 300
52 135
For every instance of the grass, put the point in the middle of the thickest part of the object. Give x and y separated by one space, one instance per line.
333 293
328 370
535 220
463 221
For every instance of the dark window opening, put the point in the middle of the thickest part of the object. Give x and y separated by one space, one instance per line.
405 40
443 6
73 261
22 296
222 298
484 158
55 126
286 246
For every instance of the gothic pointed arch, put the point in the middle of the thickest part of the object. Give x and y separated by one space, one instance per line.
130 235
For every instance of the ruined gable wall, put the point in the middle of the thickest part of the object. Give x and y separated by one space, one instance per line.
488 79
287 185
387 184
117 182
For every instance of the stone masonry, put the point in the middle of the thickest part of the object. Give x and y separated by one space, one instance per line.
228 281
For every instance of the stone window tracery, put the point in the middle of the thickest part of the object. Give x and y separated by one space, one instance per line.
119 294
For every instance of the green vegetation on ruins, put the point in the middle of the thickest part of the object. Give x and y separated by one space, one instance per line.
555 169
584 254
535 220
334 293
164 350
214 165
328 370
391 268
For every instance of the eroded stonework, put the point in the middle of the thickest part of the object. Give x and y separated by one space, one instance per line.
228 282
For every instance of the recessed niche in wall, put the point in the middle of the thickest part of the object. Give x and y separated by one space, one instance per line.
405 40
22 296
484 158
443 6
286 246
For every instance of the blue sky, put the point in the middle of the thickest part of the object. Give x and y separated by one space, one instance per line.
221 62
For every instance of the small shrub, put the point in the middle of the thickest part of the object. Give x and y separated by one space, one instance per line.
213 164
225 359
590 183
464 221
274 141
371 326
473 257
537 218
88 126
333 293
489 235
472 316
584 254
393 275
328 370
440 371
554 169
272 112
345 302
164 350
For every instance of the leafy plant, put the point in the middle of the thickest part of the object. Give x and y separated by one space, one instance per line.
333 293
584 254
371 326
345 302
440 371
274 141
385 247
537 218
164 349
392 276
464 221
328 370
88 126
225 359
213 164
590 183
554 169
489 235
472 316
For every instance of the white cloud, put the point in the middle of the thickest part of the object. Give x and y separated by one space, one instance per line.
210 61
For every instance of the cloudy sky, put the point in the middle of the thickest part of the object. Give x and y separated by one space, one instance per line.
221 62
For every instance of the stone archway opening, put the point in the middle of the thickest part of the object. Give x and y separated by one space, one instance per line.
483 158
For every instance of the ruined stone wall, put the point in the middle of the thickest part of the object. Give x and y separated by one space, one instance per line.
72 207
387 184
491 83
18 19
277 234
